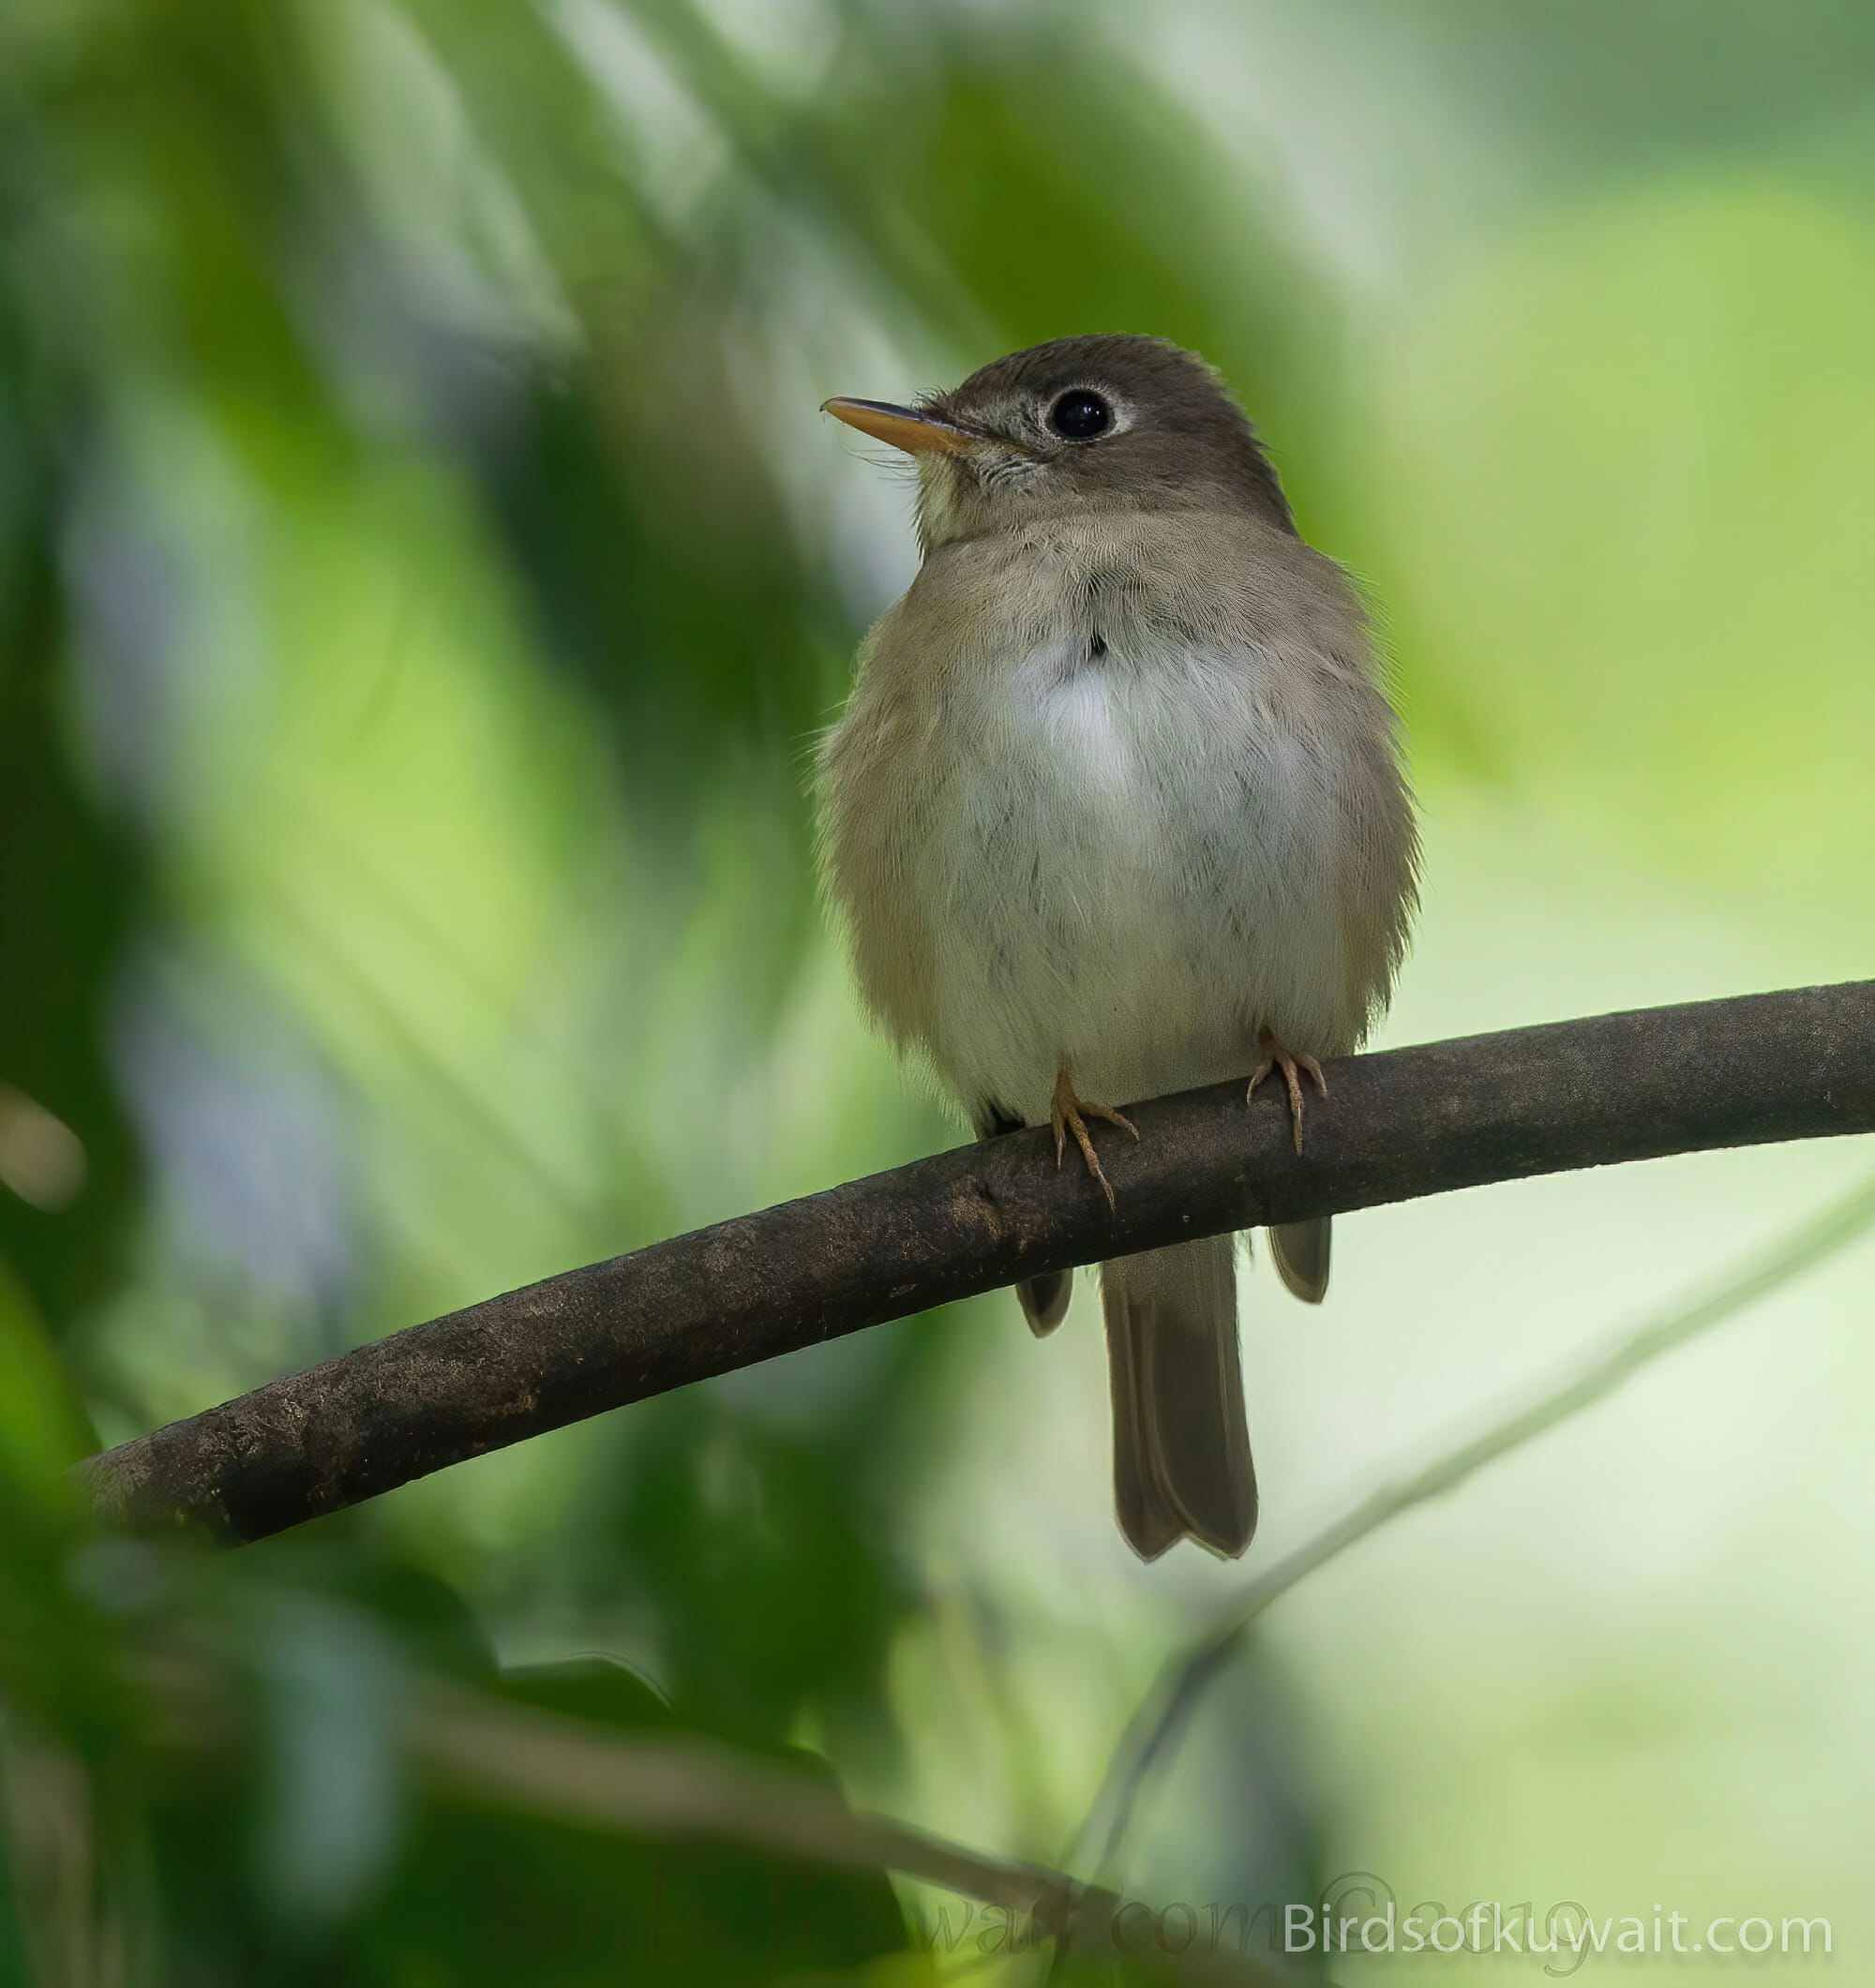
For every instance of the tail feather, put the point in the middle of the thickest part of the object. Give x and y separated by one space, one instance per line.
1147 1515
1044 1300
1300 1252
1181 1445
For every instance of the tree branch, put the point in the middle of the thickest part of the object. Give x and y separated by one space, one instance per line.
1744 1072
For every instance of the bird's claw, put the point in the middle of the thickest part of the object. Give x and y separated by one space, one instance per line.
1276 1058
1068 1114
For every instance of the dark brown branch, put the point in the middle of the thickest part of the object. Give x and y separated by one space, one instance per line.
1746 1072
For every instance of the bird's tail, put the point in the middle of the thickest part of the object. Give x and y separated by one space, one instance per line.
1044 1300
1301 1253
1181 1446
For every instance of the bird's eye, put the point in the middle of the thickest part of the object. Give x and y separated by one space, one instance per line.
1080 415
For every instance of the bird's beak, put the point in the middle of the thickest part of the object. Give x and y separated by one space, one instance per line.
903 427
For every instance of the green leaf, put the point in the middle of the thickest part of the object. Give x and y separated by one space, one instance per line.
44 1428
500 1897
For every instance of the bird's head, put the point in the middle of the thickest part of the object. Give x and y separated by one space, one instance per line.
1076 425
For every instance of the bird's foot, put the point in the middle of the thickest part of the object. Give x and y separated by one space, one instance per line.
1276 1058
1068 1114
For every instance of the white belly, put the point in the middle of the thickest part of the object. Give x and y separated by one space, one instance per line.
1131 873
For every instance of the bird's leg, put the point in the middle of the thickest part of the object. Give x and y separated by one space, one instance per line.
1276 1058
1069 1113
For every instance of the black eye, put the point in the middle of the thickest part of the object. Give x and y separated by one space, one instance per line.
1080 415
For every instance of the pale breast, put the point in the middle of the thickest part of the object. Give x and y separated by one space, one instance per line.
1119 820
1129 871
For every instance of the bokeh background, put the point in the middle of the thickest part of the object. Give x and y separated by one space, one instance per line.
423 573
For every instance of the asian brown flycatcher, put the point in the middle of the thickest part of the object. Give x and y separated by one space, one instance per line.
1115 809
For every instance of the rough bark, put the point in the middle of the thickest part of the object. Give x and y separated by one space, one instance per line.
1745 1071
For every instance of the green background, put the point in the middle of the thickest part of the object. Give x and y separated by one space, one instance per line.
423 573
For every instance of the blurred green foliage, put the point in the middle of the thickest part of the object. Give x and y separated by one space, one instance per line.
422 574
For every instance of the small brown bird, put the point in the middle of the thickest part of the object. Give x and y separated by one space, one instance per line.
1115 809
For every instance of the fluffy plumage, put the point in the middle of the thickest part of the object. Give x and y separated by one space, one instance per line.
1116 791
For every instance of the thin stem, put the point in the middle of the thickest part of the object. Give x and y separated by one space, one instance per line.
668 1786
1168 1706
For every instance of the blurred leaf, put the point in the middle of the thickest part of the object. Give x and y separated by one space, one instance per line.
1610 87
772 1595
333 1691
1093 204
309 1861
58 1659
484 1896
44 1428
71 880
1621 471
264 1850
